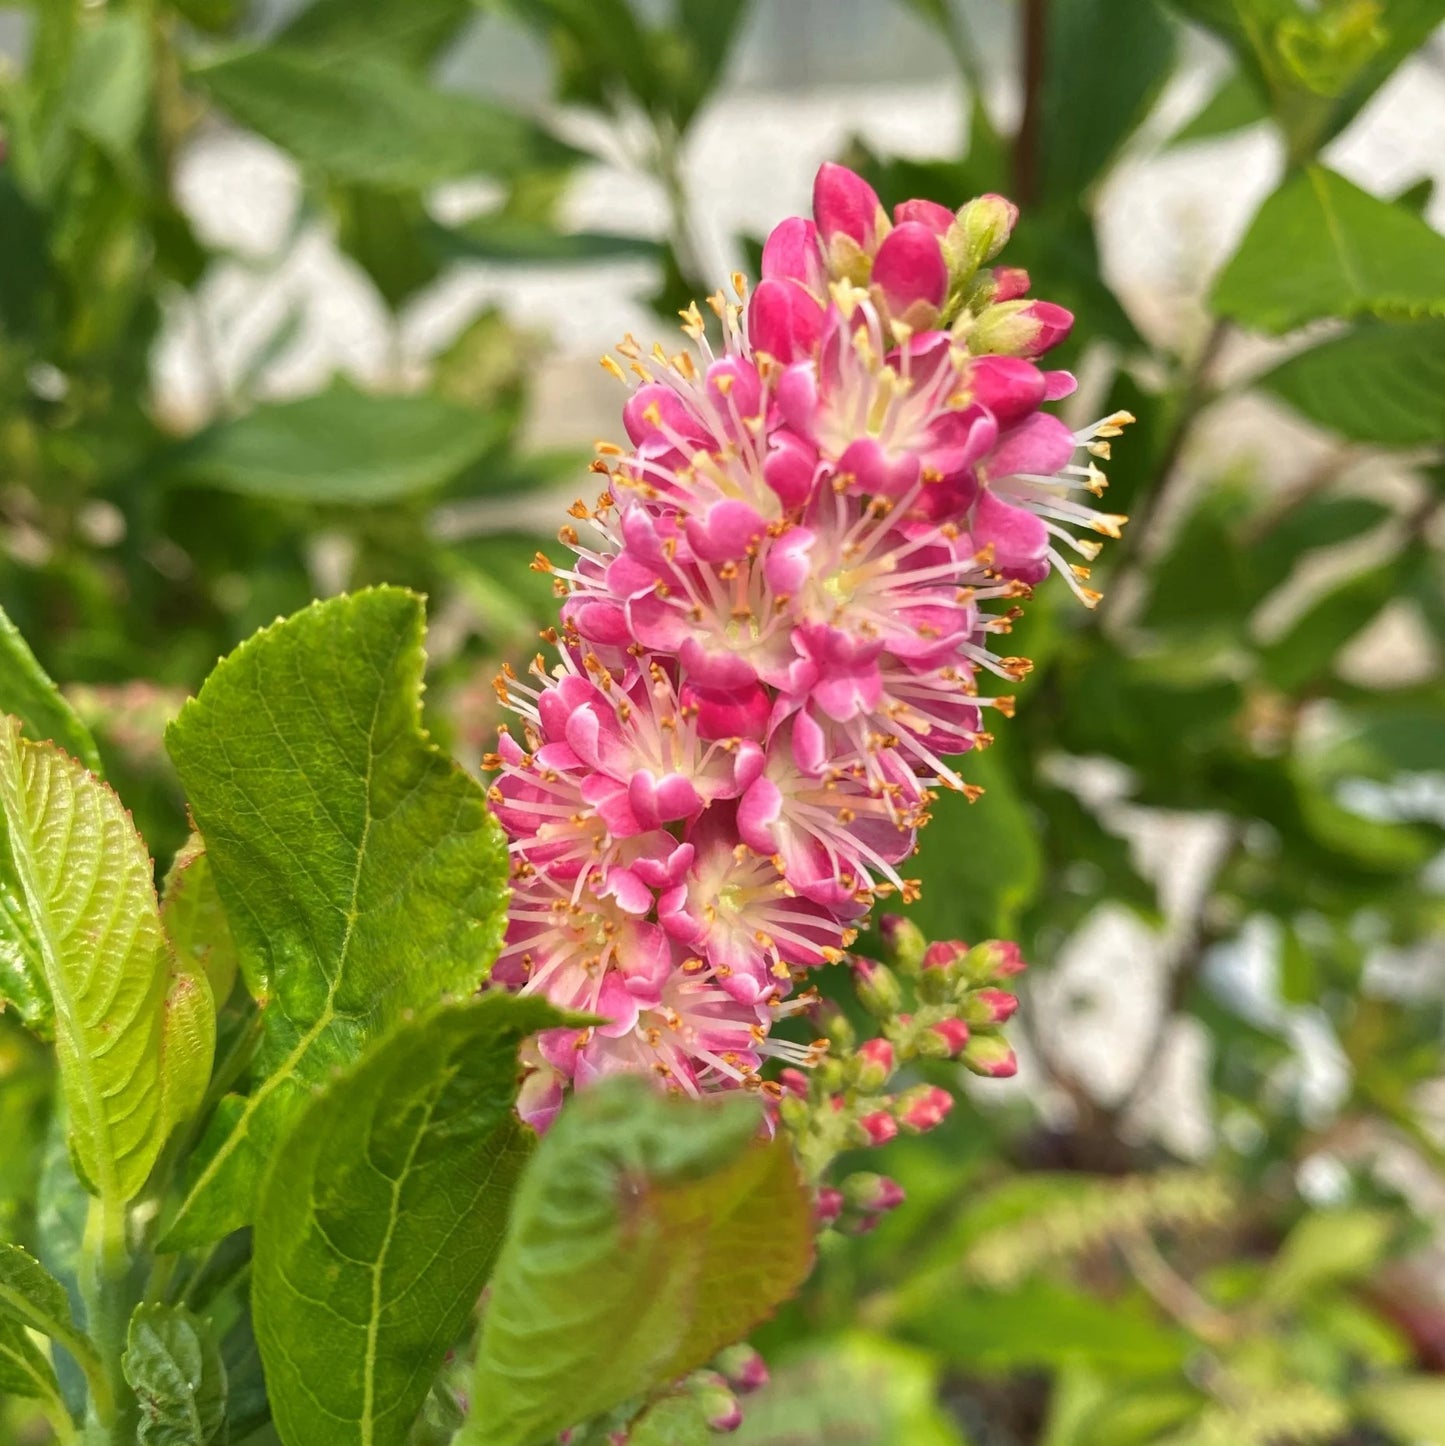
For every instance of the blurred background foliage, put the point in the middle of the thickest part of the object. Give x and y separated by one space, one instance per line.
1212 1210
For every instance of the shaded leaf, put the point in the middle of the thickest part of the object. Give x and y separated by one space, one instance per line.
508 238
648 1233
339 446
108 94
195 920
369 120
1381 383
1234 105
412 32
358 865
407 1159
24 1371
1413 1407
1326 1248
1319 247
28 694
175 1369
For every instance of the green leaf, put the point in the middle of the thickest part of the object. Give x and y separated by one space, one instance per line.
1320 246
412 32
1412 1407
31 1296
340 446
173 1366
1233 106
195 920
109 87
358 865
89 928
859 1389
648 1233
367 119
508 238
1326 1248
1380 383
387 234
1096 90
983 863
24 1371
407 1159
28 694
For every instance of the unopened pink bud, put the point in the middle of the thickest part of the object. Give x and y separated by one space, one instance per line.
1018 328
792 253
937 218
903 942
1009 283
744 1369
924 1108
844 204
954 1034
1009 387
794 1082
877 1128
784 321
876 1063
1054 325
910 274
874 1194
943 953
980 232
828 1206
878 988
720 1407
990 1056
992 1006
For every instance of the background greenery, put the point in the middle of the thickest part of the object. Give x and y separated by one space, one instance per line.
1060 1276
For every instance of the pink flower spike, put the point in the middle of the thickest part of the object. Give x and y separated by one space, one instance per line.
910 275
924 1108
844 204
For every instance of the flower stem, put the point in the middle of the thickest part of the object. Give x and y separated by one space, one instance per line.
104 1270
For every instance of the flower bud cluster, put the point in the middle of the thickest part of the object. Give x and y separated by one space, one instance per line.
777 627
927 1002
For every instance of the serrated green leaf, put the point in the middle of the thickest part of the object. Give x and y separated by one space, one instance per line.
405 1161
339 446
24 1371
367 119
27 693
31 1296
1319 247
358 865
78 870
1382 383
648 1233
195 920
176 1372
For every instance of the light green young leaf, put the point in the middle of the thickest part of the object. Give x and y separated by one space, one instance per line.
339 446
176 1372
88 931
1382 383
1411 1407
195 920
1319 247
109 85
404 1161
24 1371
1326 1248
367 119
648 1233
1236 104
28 694
360 869
31 1296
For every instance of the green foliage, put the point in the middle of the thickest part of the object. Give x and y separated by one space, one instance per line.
358 865
178 1376
687 1231
408 1157
27 694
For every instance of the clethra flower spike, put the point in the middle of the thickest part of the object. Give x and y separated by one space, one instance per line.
778 637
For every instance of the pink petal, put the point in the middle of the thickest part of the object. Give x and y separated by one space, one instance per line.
909 267
845 204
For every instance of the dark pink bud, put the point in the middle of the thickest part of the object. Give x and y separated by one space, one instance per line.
990 1056
877 1128
1000 959
792 253
784 321
924 1108
909 270
875 1064
794 1081
927 213
828 1206
1054 325
844 204
944 952
720 1407
953 1033
744 1369
875 1194
998 1006
1010 282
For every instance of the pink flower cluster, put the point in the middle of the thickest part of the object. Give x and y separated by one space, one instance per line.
776 630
